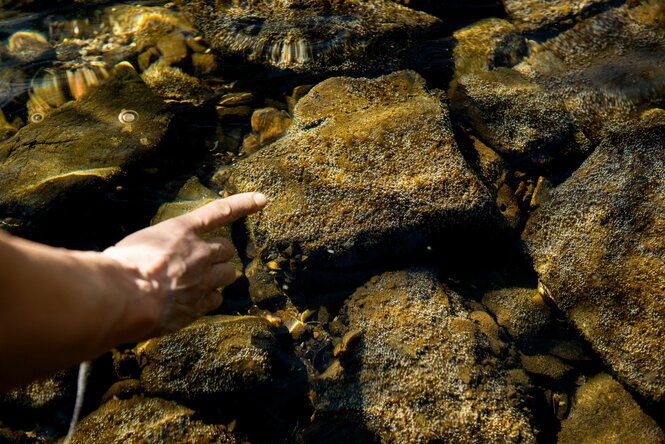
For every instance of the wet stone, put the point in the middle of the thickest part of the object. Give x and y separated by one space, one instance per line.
597 246
81 146
213 356
604 412
516 310
548 366
420 369
368 170
530 15
148 420
269 124
555 105
486 45
314 37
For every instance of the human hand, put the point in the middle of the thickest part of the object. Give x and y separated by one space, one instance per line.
176 268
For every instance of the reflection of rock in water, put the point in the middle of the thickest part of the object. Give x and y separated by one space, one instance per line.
84 143
310 36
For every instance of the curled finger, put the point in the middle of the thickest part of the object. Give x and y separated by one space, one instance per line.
222 274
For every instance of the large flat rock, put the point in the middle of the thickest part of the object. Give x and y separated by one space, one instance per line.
368 170
598 246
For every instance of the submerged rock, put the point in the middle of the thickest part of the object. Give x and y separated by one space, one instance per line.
368 170
148 420
604 412
214 355
421 369
558 103
311 36
81 146
530 15
518 311
597 246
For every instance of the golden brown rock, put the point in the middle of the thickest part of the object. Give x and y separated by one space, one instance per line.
597 246
603 412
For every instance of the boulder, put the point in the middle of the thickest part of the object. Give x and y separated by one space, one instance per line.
420 368
214 355
531 15
369 170
148 420
598 247
313 36
556 105
604 412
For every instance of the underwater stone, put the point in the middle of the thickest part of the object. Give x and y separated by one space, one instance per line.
368 170
558 103
529 15
598 247
486 45
422 370
215 355
150 421
516 310
311 36
604 412
81 146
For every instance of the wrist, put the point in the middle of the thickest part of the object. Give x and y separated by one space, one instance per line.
136 300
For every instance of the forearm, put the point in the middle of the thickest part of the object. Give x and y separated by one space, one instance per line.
59 307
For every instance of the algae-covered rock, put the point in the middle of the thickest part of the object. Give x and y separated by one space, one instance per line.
598 247
368 170
83 145
214 355
604 412
147 421
421 369
518 311
558 103
530 15
524 121
487 44
313 36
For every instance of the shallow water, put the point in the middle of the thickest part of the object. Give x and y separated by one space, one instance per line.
517 164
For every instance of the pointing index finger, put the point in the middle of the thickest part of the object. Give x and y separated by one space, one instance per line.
223 211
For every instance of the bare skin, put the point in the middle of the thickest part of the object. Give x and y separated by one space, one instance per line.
60 307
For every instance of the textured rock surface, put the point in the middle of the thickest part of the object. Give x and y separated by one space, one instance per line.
598 247
313 36
214 355
604 412
422 371
80 145
516 310
487 44
368 169
558 102
148 420
530 15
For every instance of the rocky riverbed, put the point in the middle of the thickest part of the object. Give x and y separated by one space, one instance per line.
464 240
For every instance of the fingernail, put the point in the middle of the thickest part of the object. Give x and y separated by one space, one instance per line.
260 199
238 274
